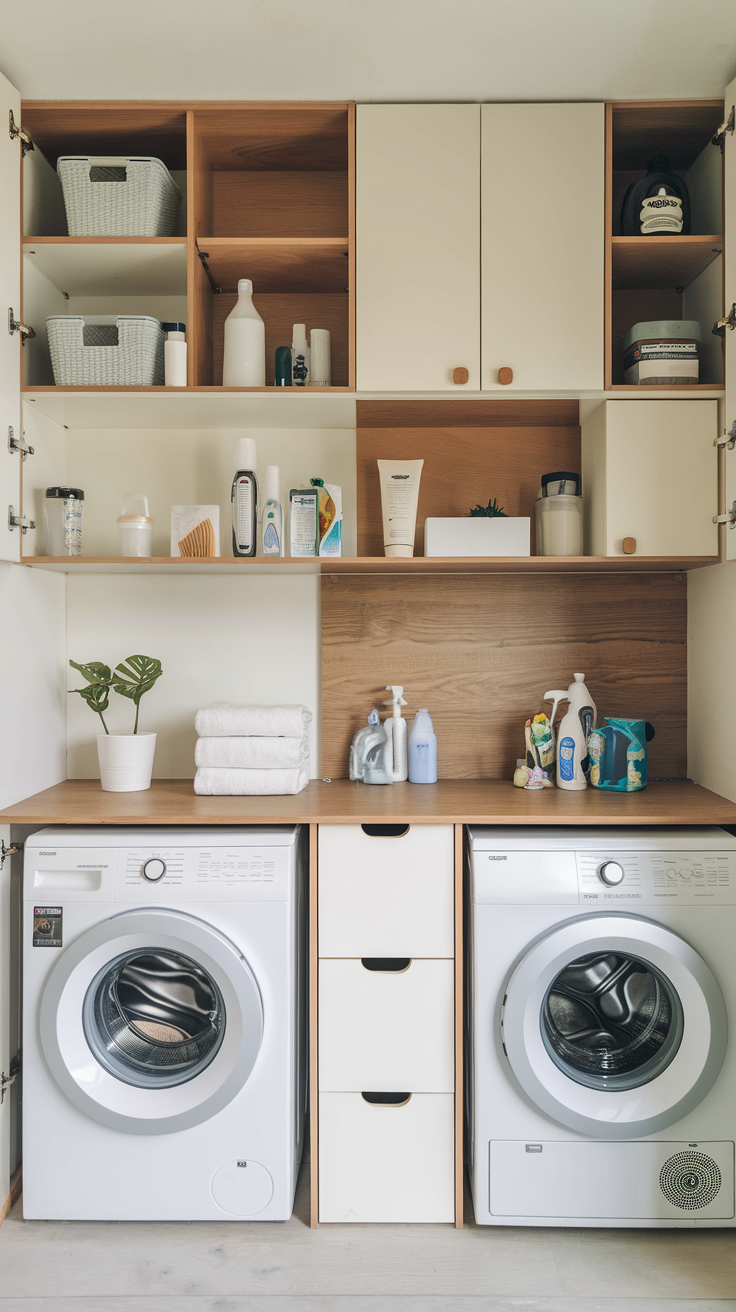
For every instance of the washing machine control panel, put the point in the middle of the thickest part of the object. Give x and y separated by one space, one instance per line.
191 874
689 877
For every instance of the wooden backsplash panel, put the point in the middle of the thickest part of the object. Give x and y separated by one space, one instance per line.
480 651
463 465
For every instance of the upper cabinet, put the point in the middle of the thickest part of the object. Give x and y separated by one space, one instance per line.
542 243
418 247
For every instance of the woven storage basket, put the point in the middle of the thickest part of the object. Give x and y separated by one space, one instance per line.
108 196
104 350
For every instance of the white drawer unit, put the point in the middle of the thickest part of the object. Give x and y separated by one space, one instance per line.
386 1028
381 1161
386 894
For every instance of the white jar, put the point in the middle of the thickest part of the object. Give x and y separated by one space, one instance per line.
559 526
135 526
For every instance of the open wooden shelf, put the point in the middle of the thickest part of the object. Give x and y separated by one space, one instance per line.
377 565
661 261
111 266
451 801
278 264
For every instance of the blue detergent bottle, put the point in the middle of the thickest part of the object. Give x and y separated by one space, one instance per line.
422 750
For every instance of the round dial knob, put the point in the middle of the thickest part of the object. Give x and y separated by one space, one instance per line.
611 872
154 869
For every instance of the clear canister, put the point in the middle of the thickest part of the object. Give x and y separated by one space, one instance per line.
63 509
559 521
135 526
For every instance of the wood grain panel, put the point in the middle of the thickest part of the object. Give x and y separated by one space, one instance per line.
275 135
199 292
640 262
480 652
277 265
280 204
677 129
462 466
471 413
279 314
108 127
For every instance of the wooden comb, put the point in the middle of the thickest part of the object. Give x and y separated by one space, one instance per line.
200 542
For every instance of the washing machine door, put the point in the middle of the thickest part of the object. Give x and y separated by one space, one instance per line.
614 1025
151 1022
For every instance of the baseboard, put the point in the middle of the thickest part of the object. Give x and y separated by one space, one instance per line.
16 1184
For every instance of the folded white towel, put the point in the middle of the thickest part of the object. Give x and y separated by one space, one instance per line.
212 782
252 753
225 721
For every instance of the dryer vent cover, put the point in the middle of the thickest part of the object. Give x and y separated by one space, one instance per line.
690 1180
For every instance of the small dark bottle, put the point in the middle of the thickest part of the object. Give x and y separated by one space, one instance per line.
658 205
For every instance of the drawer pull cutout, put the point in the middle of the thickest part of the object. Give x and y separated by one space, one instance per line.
387 1099
393 964
385 831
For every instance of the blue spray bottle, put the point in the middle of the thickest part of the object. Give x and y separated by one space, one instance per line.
422 750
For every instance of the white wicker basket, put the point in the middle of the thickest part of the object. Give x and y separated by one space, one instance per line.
111 196
105 350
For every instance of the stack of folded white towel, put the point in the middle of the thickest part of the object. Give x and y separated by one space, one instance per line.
251 750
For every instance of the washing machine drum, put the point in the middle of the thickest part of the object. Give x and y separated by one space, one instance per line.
151 1022
614 1025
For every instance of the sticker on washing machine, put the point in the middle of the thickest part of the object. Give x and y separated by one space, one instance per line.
47 927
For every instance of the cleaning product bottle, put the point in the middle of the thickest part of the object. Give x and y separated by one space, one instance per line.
244 497
396 727
299 356
272 520
580 719
377 756
244 358
658 205
175 354
422 750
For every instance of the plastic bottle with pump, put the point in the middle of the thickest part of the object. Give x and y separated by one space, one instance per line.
244 497
396 729
580 719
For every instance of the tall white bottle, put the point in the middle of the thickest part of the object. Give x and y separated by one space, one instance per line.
576 724
244 358
396 729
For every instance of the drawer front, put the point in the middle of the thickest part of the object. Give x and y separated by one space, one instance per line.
386 896
386 1163
383 1029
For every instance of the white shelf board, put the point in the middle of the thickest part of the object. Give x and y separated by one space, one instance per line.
282 408
163 565
112 269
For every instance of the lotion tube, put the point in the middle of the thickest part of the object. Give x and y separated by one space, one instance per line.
399 496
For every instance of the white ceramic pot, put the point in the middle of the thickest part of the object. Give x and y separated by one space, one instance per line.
126 761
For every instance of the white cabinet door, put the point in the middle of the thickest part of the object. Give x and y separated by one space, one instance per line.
542 245
650 472
729 210
417 247
10 346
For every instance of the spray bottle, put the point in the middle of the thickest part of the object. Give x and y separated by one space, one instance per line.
396 729
579 721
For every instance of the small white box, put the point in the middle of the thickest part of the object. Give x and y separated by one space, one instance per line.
467 536
185 518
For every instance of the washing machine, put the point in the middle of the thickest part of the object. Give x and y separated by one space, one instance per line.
601 1083
164 1052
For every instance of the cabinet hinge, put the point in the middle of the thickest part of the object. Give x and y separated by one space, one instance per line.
727 126
729 517
17 521
18 444
720 325
7 1080
15 131
204 256
15 327
7 851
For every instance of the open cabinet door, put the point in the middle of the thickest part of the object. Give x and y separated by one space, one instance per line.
10 343
729 236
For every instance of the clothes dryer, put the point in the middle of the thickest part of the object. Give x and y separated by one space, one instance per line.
165 1069
600 1074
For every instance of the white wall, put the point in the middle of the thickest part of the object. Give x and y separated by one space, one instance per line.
32 682
220 638
711 597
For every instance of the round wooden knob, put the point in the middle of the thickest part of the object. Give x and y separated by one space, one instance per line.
460 375
505 376
629 546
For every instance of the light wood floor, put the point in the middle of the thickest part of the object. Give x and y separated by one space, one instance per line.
52 1266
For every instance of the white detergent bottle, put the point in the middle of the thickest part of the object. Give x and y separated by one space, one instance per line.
244 358
577 723
396 728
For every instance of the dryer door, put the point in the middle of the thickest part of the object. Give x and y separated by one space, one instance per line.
614 1026
151 1022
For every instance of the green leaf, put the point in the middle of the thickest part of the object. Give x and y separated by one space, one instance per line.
135 676
97 696
93 672
491 511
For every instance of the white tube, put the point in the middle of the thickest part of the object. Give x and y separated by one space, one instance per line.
399 496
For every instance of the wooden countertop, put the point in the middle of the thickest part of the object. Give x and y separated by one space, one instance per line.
451 801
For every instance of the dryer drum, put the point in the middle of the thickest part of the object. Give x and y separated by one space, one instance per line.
611 1021
154 1017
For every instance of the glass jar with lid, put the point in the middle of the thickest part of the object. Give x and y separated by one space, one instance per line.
63 508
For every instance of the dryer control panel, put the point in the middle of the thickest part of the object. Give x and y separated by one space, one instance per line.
622 878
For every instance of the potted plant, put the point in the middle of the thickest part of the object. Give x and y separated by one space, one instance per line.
126 756
484 531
